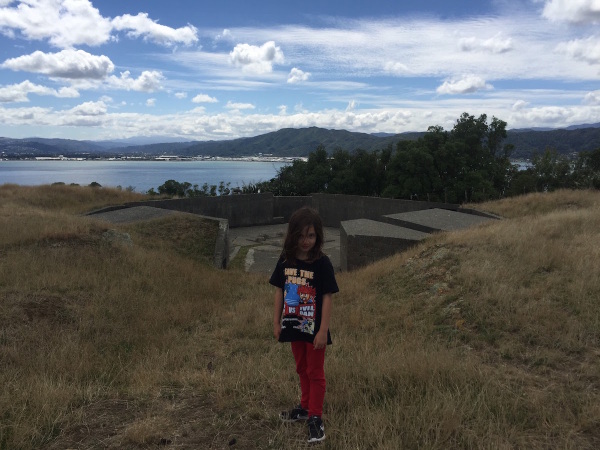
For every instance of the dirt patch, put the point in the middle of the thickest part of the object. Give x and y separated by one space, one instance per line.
184 420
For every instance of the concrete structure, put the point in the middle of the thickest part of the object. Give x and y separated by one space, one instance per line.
363 241
369 228
141 213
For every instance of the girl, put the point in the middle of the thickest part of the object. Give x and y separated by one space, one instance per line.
304 282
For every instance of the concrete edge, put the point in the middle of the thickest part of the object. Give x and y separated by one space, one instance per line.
221 254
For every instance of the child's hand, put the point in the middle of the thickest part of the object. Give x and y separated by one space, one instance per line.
276 330
320 340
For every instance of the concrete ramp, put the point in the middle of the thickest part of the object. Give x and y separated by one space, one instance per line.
363 241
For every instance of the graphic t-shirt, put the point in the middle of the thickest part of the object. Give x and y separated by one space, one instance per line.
303 284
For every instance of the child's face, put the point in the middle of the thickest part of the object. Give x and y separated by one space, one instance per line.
307 240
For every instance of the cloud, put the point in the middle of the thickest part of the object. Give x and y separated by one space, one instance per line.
151 102
465 85
148 81
395 68
574 11
496 44
587 50
256 60
225 35
73 64
203 98
282 110
519 105
592 98
547 116
19 92
67 23
180 95
89 109
297 76
64 23
142 25
351 105
238 106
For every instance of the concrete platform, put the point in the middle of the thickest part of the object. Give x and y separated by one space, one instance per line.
436 219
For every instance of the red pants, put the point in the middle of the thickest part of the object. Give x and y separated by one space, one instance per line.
309 366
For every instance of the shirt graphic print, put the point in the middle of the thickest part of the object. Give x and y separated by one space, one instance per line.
299 300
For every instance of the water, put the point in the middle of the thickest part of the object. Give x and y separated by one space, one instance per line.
141 175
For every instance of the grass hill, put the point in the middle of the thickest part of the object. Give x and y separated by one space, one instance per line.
481 338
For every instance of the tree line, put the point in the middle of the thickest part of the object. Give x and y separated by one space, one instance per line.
470 163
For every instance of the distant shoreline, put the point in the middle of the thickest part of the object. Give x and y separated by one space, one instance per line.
167 158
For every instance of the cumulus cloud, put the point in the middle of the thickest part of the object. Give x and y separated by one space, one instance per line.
547 116
66 23
238 106
297 76
180 95
70 63
465 85
203 98
256 60
89 109
148 81
395 68
151 102
496 44
282 110
592 98
574 11
587 50
63 23
142 25
18 92
519 105
225 35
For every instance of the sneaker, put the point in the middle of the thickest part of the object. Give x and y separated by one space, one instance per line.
294 415
316 430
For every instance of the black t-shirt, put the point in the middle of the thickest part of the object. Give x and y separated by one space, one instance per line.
303 284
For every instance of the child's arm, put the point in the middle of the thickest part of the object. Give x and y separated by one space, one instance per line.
320 340
277 309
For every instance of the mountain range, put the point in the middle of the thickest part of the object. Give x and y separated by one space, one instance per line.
289 142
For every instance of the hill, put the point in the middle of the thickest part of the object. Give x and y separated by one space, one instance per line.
293 142
564 141
484 338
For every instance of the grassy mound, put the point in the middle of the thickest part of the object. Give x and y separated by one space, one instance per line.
484 338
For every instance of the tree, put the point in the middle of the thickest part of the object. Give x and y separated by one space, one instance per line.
552 171
586 173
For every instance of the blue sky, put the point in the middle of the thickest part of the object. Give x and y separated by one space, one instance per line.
185 69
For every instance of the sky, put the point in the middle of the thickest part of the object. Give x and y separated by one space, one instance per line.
197 70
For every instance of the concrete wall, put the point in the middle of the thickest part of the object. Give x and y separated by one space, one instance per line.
239 210
363 241
284 207
335 208
264 209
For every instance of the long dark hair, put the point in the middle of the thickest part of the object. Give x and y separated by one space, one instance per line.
302 218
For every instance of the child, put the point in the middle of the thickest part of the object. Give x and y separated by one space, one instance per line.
305 281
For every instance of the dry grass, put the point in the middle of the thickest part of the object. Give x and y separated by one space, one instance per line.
486 338
539 203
